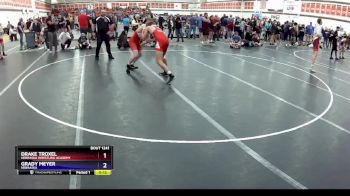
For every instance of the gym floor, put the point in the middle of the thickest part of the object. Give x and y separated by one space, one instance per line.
248 118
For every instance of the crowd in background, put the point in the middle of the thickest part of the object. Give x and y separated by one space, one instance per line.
57 29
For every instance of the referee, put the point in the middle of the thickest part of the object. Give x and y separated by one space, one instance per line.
102 27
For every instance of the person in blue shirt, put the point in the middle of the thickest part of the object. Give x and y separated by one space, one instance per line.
309 32
126 23
199 24
193 26
235 41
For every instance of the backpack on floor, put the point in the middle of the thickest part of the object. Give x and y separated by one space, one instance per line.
123 40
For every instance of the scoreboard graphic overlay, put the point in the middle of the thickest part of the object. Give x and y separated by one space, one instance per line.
64 160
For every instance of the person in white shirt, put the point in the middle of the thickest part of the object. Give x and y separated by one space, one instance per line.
316 43
65 39
13 33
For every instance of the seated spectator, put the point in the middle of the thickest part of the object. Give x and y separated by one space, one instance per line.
256 39
83 42
65 39
248 41
236 41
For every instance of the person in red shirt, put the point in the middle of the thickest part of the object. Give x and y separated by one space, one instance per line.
83 20
161 46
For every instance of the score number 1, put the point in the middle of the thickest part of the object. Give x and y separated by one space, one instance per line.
104 164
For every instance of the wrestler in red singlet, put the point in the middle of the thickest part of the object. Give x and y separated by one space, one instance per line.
135 42
162 40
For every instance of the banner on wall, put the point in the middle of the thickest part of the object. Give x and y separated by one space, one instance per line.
274 5
193 6
177 6
292 7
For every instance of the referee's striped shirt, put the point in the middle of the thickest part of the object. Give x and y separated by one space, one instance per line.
102 24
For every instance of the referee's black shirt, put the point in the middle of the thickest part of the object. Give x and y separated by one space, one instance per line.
102 24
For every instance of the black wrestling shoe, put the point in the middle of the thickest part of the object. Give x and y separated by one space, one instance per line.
111 57
133 67
171 78
164 74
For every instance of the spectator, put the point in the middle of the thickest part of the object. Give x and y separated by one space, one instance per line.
126 23
193 26
301 34
273 33
13 34
83 20
242 26
236 41
205 28
8 27
309 32
83 42
178 26
171 27
256 40
36 28
2 44
65 39
334 38
229 28
52 32
161 21
200 30
20 30
326 38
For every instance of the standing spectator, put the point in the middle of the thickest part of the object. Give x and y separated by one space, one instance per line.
52 32
171 27
36 28
334 38
217 27
242 26
20 30
286 31
309 32
200 30
126 23
103 25
273 33
13 34
9 27
205 28
278 32
326 38
301 34
2 44
193 26
161 21
28 24
268 26
229 28
237 27
178 26
83 20
224 22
